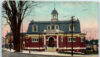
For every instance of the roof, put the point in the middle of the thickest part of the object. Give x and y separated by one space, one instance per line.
63 26
91 42
54 11
11 33
94 41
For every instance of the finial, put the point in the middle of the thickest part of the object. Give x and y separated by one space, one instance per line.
54 4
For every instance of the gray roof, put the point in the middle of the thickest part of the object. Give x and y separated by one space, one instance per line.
54 11
63 25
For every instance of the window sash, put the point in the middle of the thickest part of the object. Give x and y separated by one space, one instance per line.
81 39
35 40
70 29
35 28
70 39
61 39
52 27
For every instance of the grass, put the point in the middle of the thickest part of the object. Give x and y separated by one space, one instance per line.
91 52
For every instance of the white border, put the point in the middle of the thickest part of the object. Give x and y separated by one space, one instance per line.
44 0
0 28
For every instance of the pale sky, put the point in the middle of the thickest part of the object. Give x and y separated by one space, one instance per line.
86 12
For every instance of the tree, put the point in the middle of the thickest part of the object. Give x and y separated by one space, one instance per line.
14 12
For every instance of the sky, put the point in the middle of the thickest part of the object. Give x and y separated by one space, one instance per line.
86 12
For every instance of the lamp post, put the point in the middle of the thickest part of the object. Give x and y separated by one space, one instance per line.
72 35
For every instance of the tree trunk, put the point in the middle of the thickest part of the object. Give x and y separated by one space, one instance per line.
16 35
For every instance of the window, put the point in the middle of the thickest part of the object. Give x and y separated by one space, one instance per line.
70 39
81 39
26 40
48 27
54 16
35 40
71 27
57 27
52 27
35 28
61 39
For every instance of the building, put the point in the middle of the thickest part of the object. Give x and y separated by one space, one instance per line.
9 39
92 45
55 35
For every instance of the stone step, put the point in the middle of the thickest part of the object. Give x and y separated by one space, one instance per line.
51 49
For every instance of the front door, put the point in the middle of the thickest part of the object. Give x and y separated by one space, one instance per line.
51 42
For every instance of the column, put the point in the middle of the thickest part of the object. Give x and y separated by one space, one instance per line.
44 40
57 41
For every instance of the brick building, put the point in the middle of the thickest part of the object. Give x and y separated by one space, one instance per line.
55 35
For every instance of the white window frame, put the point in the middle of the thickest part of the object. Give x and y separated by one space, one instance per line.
62 39
70 40
48 27
70 28
56 26
82 39
33 28
35 40
52 26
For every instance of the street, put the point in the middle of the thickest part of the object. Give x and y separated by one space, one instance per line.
13 54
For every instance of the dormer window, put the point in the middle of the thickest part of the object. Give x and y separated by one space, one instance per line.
57 27
52 27
48 27
71 27
35 28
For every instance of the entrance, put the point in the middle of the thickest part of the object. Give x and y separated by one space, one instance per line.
51 42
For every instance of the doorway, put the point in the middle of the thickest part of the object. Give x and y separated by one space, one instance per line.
51 42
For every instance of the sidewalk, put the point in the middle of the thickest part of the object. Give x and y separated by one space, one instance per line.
25 53
41 53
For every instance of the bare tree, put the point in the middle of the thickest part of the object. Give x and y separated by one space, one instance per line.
15 12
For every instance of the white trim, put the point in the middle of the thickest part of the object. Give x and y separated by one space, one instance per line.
75 52
44 39
82 39
71 39
50 37
37 40
33 28
57 26
33 48
70 28
50 26
62 38
73 48
57 41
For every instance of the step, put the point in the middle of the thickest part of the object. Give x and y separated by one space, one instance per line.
51 49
